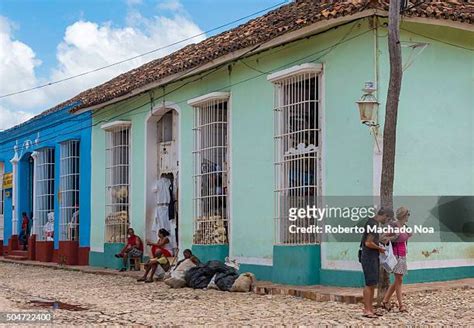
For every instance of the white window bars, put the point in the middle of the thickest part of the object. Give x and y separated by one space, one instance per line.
211 167
118 182
69 191
44 190
2 222
297 153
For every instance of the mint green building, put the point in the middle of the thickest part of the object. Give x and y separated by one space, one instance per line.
262 118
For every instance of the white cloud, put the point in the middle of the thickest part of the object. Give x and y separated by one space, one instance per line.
17 70
173 5
9 118
87 45
133 2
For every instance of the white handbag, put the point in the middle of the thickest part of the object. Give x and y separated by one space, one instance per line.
388 259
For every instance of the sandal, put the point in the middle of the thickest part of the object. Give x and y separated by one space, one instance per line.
387 306
370 315
141 279
402 309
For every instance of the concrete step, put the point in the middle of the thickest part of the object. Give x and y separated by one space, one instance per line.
16 257
19 253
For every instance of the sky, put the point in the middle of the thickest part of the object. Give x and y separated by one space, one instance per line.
48 40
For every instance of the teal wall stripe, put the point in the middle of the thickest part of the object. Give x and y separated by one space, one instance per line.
261 272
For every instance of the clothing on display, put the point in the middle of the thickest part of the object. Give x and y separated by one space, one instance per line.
48 228
162 218
162 190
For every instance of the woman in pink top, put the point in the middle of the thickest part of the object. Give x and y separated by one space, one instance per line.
400 252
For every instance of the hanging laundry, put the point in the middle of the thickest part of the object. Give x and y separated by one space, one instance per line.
162 217
162 190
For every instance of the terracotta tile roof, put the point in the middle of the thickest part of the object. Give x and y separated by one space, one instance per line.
287 18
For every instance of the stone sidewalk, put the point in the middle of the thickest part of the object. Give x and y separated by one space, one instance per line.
316 293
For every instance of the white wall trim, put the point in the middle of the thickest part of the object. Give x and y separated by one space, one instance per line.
377 169
295 70
230 176
253 260
198 101
439 22
159 110
34 155
97 249
14 162
116 124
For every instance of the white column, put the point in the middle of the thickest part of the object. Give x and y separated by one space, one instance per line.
34 155
377 168
14 162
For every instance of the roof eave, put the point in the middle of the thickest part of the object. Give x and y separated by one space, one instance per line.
315 28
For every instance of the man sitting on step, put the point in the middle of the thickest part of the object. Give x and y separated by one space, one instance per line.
158 260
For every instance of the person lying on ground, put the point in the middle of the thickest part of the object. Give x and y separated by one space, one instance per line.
133 248
163 244
150 267
188 255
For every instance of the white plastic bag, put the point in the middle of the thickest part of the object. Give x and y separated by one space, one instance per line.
232 263
212 283
388 259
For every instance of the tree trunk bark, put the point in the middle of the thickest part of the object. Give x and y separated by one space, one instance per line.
390 125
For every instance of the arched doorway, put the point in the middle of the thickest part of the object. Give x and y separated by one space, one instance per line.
162 172
26 197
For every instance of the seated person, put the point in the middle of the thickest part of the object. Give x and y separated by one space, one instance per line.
188 255
163 244
152 265
133 248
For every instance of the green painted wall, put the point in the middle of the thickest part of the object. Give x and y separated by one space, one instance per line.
296 264
435 156
432 134
251 153
211 252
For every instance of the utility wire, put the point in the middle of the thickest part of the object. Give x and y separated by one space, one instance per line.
186 73
253 68
141 55
437 40
325 51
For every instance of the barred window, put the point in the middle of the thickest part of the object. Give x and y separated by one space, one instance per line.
69 191
118 182
44 190
297 150
211 168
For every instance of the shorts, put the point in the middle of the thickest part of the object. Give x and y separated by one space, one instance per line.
370 266
135 252
401 267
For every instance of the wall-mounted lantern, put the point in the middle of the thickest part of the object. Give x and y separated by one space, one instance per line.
368 107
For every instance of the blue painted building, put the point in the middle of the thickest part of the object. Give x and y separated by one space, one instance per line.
45 169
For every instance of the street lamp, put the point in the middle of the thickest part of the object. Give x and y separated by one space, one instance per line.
368 105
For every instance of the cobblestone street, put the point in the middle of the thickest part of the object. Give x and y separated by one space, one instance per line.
122 301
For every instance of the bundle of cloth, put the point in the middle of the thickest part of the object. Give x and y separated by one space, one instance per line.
176 279
219 275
